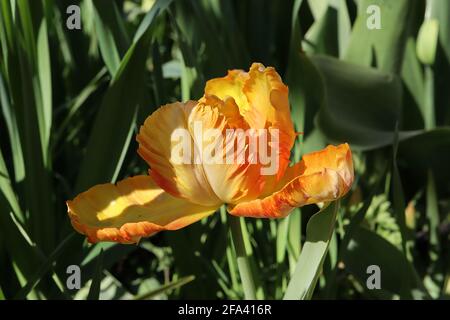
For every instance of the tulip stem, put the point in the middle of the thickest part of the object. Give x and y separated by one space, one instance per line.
242 256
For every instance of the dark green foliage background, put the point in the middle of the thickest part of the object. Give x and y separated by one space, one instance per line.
72 101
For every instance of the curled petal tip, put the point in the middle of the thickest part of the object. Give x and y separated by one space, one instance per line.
321 176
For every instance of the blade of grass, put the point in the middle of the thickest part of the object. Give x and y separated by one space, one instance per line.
13 132
399 202
299 107
44 72
231 258
110 30
158 7
242 257
24 254
29 113
432 210
426 51
43 269
166 288
76 104
105 154
282 239
8 192
8 277
94 290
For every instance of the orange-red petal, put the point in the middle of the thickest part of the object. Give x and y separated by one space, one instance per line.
321 176
134 208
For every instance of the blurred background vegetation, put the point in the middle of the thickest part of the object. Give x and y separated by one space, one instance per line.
72 101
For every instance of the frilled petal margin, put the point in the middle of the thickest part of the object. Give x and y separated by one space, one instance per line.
321 176
136 207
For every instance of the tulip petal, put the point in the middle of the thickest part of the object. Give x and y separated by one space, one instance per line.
262 99
236 181
136 207
321 176
232 86
181 179
266 92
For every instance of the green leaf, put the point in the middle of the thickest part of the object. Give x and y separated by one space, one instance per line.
398 201
166 288
440 9
398 276
29 114
344 27
158 7
398 20
318 235
94 291
318 8
43 269
8 192
112 37
45 82
363 104
349 232
113 126
306 88
242 247
13 132
433 153
413 78
22 251
322 37
77 102
432 209
282 239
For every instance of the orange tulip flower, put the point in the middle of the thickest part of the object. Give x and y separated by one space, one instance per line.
176 194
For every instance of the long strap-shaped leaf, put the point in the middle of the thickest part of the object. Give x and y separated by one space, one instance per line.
165 288
318 234
94 291
43 269
112 129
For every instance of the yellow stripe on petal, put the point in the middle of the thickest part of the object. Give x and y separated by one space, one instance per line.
321 176
134 208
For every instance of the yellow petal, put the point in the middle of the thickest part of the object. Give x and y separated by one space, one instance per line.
202 182
136 207
232 86
239 180
262 99
321 176
186 180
